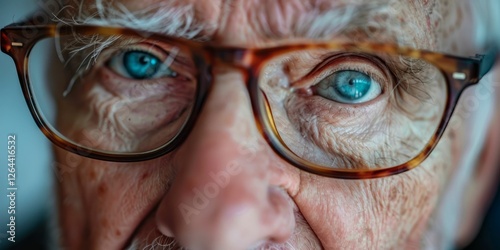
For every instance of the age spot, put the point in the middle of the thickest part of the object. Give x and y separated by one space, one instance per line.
102 189
144 176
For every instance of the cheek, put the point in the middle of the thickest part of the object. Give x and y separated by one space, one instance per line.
389 212
107 199
104 183
381 135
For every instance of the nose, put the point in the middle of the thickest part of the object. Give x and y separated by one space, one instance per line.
230 190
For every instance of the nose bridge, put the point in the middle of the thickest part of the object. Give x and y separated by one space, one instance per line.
225 133
242 59
223 194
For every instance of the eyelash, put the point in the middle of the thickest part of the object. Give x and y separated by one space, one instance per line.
143 47
313 77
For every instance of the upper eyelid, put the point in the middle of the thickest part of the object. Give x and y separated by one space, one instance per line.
403 72
101 49
143 47
180 63
161 52
78 49
167 50
319 73
179 60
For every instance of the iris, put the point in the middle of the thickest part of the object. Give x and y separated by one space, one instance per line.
351 85
140 65
348 86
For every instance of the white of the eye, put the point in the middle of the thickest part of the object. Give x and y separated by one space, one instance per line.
116 64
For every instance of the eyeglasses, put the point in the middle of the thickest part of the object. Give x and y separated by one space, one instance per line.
337 109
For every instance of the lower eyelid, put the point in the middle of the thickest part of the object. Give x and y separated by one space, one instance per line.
320 106
129 88
338 120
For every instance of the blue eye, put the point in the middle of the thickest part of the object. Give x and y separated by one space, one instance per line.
348 86
140 65
351 85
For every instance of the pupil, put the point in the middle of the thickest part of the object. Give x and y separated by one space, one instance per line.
144 60
140 65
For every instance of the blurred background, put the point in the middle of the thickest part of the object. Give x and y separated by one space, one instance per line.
34 194
34 176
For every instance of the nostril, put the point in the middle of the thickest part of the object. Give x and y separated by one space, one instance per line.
162 225
238 218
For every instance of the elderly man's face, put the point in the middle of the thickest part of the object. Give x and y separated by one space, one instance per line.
262 201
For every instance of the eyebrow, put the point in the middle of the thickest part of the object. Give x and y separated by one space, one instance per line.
164 18
308 19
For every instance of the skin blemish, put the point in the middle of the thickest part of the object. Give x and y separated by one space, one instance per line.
144 176
102 189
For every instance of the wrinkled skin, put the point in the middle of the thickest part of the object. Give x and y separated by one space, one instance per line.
105 205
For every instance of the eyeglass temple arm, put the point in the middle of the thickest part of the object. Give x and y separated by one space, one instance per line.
487 61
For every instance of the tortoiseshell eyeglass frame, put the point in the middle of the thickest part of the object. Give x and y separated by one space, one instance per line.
18 40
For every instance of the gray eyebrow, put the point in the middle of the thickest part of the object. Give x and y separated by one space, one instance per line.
311 21
164 18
